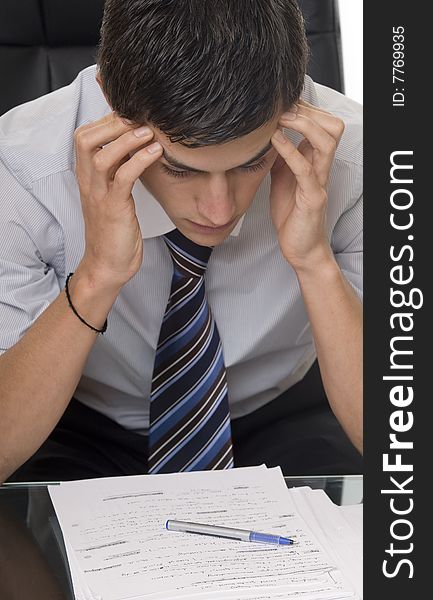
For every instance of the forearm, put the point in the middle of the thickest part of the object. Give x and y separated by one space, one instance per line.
335 314
38 375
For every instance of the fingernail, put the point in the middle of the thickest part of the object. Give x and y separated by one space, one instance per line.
280 137
153 148
142 131
289 116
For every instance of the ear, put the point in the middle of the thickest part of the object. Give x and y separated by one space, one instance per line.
101 85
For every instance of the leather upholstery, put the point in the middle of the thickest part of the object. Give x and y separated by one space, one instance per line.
45 43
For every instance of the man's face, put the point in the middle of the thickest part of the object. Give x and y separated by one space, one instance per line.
205 191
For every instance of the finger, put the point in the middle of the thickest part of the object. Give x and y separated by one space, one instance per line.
127 174
303 102
311 191
109 119
105 162
279 162
282 197
332 124
101 121
307 150
319 137
89 138
323 143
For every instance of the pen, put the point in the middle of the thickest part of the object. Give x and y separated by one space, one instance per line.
228 532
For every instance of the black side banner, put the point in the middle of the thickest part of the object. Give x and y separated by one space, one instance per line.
398 253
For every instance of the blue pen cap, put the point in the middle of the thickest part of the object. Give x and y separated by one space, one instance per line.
269 539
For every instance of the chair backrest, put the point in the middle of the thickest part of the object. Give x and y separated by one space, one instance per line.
45 43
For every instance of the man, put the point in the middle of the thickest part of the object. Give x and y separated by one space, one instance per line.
199 144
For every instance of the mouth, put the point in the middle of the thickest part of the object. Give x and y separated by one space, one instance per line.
206 229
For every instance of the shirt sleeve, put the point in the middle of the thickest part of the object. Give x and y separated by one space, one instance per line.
31 255
347 243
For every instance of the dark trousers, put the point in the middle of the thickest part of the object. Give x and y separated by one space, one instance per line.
296 431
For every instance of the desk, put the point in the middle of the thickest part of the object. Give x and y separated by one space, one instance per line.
33 561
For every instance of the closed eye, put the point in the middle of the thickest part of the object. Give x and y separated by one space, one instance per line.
178 173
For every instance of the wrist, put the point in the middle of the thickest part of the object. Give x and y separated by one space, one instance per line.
95 282
77 314
321 260
90 300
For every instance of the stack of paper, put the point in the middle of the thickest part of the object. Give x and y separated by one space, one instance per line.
118 546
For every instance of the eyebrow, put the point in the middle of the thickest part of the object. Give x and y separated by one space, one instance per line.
175 163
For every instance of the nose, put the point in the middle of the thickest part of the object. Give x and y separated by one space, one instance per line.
215 203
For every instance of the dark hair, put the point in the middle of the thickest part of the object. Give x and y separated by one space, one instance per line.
203 71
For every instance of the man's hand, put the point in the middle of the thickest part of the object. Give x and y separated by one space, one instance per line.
298 207
110 158
299 184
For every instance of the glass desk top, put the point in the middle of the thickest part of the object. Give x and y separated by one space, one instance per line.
33 563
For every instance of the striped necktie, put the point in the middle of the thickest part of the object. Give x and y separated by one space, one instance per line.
189 412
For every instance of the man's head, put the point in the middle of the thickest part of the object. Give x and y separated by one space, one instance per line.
211 77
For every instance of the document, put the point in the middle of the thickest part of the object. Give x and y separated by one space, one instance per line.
119 548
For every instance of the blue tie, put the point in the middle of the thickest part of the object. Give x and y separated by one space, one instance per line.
189 411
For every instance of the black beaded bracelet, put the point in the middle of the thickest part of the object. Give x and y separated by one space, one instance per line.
104 327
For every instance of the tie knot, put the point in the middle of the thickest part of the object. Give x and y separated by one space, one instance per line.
189 259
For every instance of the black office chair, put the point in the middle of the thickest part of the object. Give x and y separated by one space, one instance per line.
45 43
